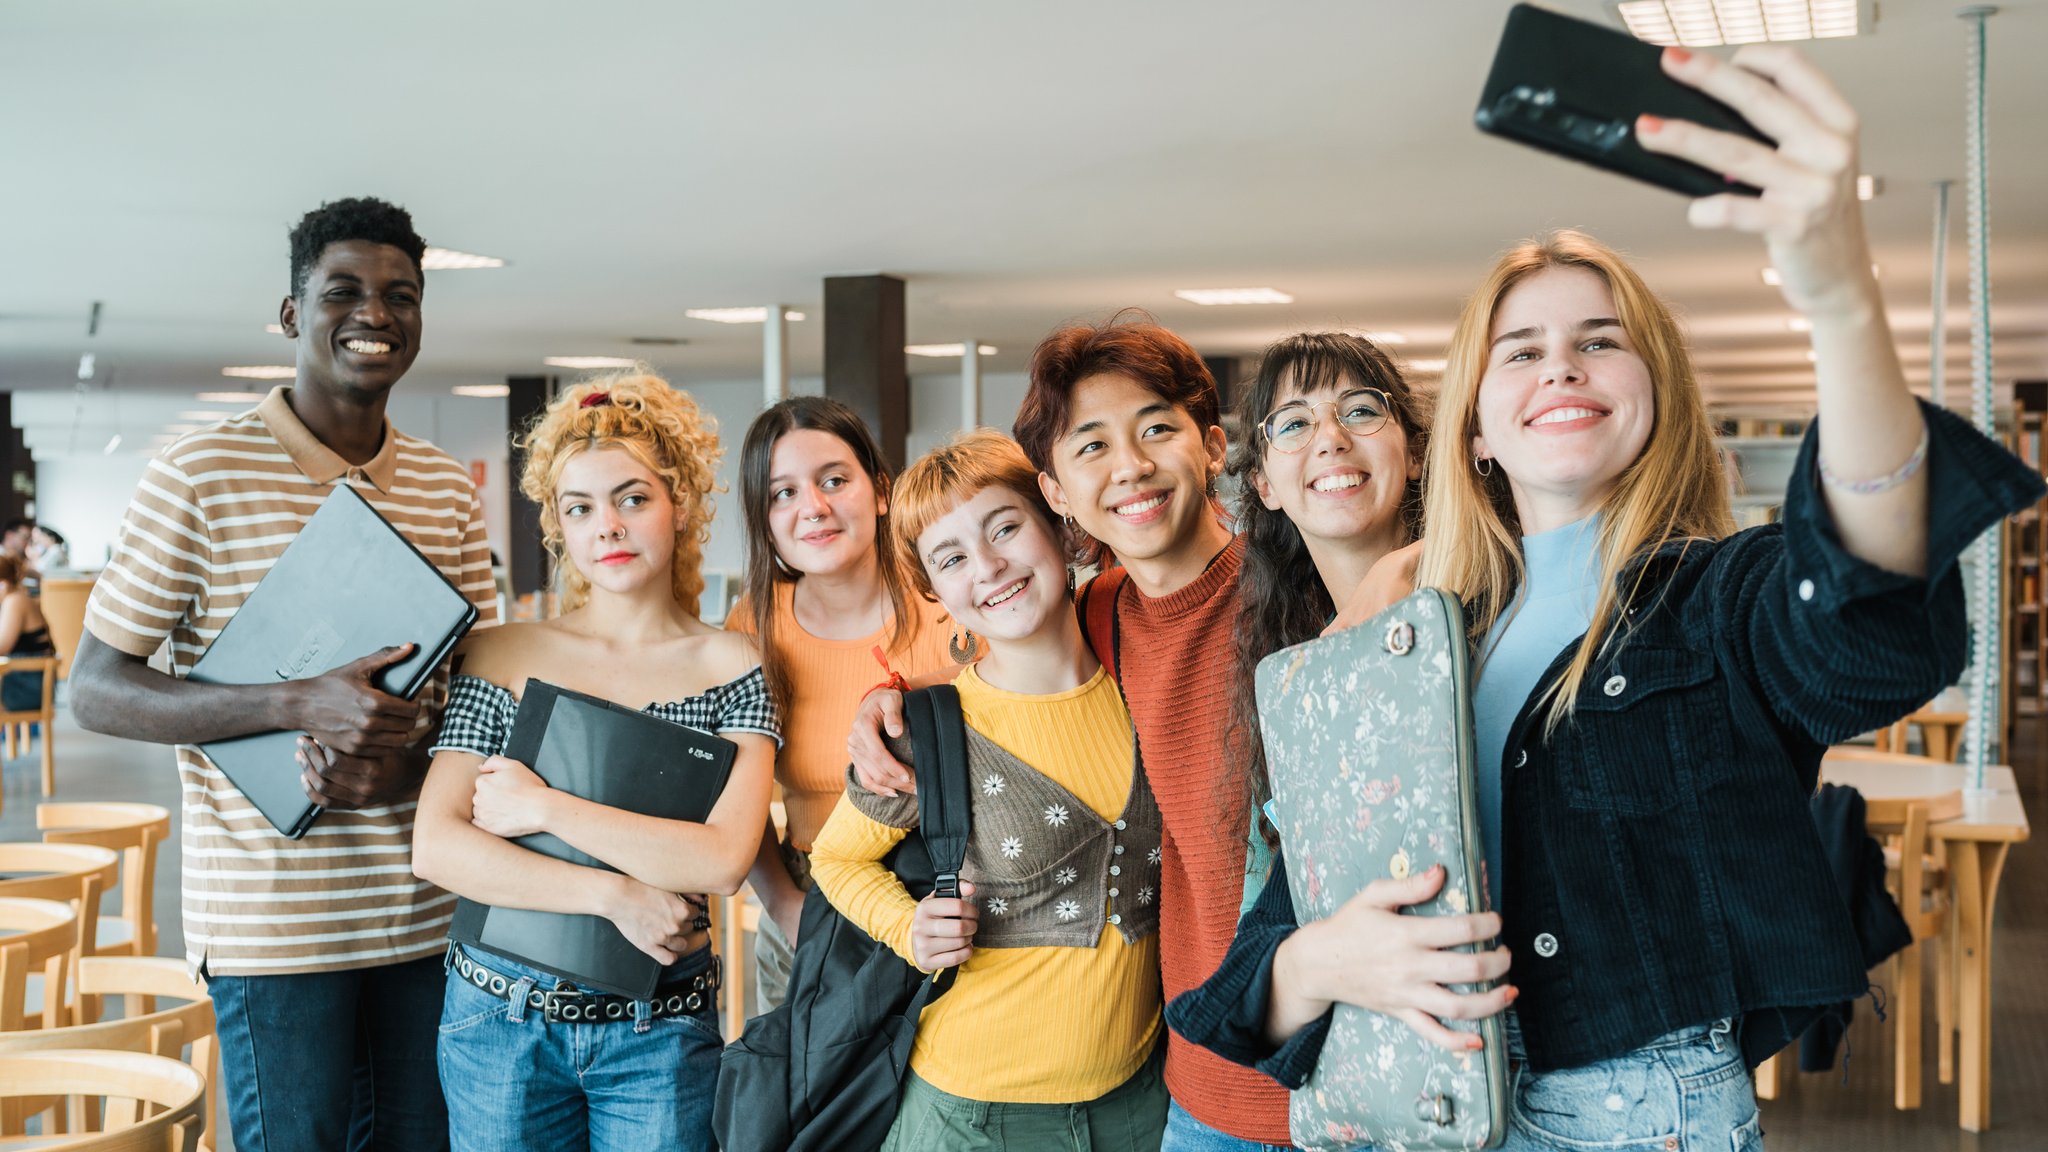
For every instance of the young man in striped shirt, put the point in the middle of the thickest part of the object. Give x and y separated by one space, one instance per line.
323 954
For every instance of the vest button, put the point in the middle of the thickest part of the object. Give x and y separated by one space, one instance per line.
1116 869
1113 892
1115 919
1119 825
1615 685
1119 849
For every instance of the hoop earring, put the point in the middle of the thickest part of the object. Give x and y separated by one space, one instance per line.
953 646
1485 460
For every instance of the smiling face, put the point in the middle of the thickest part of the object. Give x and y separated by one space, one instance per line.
1342 485
821 505
619 523
357 323
997 566
1134 470
1565 403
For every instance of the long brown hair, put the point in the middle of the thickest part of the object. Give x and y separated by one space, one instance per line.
1674 491
664 429
1281 597
766 572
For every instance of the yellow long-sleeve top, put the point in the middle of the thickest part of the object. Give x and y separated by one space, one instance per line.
1031 1025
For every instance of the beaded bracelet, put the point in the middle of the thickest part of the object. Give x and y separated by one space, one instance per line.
1888 481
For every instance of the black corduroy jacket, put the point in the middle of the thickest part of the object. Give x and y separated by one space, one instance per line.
1660 865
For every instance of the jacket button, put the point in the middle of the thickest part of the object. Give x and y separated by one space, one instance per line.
1615 685
1546 945
1116 869
1806 589
1521 757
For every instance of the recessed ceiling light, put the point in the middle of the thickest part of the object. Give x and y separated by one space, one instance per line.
947 349
1209 297
262 372
1426 366
483 391
1799 324
1705 23
589 361
448 259
1378 337
229 397
274 329
737 315
1869 187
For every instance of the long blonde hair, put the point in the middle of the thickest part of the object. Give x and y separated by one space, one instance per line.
663 429
1674 491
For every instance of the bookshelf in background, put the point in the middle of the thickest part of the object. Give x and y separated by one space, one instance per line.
2026 566
1757 455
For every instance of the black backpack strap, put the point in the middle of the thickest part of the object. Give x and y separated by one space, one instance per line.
938 749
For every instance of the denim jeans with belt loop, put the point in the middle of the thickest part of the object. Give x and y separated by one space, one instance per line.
1685 1091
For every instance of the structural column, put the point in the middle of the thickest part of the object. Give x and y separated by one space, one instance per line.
970 385
864 367
774 355
528 563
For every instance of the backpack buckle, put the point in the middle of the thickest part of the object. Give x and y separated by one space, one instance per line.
946 885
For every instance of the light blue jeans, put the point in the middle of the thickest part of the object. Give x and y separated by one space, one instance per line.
1687 1091
1184 1133
565 1087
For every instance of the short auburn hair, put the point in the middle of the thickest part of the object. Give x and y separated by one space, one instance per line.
949 476
1128 344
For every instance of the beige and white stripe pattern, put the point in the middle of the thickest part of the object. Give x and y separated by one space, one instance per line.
210 517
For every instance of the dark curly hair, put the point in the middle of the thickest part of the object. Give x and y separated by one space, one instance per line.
356 218
1282 600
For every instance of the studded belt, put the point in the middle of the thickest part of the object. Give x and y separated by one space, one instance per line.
568 1004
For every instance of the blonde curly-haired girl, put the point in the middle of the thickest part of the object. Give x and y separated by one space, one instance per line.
622 467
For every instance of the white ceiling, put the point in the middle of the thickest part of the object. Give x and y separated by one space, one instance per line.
1018 164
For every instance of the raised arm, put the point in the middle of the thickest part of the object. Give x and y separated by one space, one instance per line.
1872 437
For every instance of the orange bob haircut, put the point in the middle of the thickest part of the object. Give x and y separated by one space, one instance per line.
949 476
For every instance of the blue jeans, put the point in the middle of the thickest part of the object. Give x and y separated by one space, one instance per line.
1184 1133
1687 1090
563 1087
327 1061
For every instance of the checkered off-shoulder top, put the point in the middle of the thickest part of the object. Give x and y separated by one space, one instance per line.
479 715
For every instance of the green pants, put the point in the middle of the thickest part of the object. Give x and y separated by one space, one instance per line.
1128 1118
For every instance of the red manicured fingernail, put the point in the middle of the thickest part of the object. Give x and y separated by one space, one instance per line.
1677 55
1514 994
1649 123
1475 1044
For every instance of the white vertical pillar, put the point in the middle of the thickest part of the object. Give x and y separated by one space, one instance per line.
1983 734
1937 339
970 385
774 355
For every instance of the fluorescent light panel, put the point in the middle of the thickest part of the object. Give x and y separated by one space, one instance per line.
1427 366
1210 297
448 259
1706 23
228 397
204 414
1868 187
1378 337
262 372
483 391
946 349
589 361
738 315
274 329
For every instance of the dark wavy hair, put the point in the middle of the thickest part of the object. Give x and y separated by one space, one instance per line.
1281 598
765 569
356 218
1128 344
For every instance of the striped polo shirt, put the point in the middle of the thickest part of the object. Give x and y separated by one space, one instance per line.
212 514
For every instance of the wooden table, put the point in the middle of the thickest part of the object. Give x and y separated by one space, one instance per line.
1976 842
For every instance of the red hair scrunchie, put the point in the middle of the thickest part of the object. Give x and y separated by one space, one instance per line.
596 400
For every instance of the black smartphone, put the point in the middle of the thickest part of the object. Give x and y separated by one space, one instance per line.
1575 88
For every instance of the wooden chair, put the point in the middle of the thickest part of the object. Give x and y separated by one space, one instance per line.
1918 878
75 874
133 830
16 723
63 605
166 1032
44 940
151 1103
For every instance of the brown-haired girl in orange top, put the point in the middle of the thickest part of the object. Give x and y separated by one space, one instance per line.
622 467
825 597
23 632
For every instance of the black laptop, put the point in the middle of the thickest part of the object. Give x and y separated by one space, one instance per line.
348 585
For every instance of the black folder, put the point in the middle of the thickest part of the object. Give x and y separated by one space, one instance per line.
348 585
618 757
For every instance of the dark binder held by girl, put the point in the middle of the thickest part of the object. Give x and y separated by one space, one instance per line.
612 755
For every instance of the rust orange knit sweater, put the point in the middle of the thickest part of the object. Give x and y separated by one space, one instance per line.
1176 659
